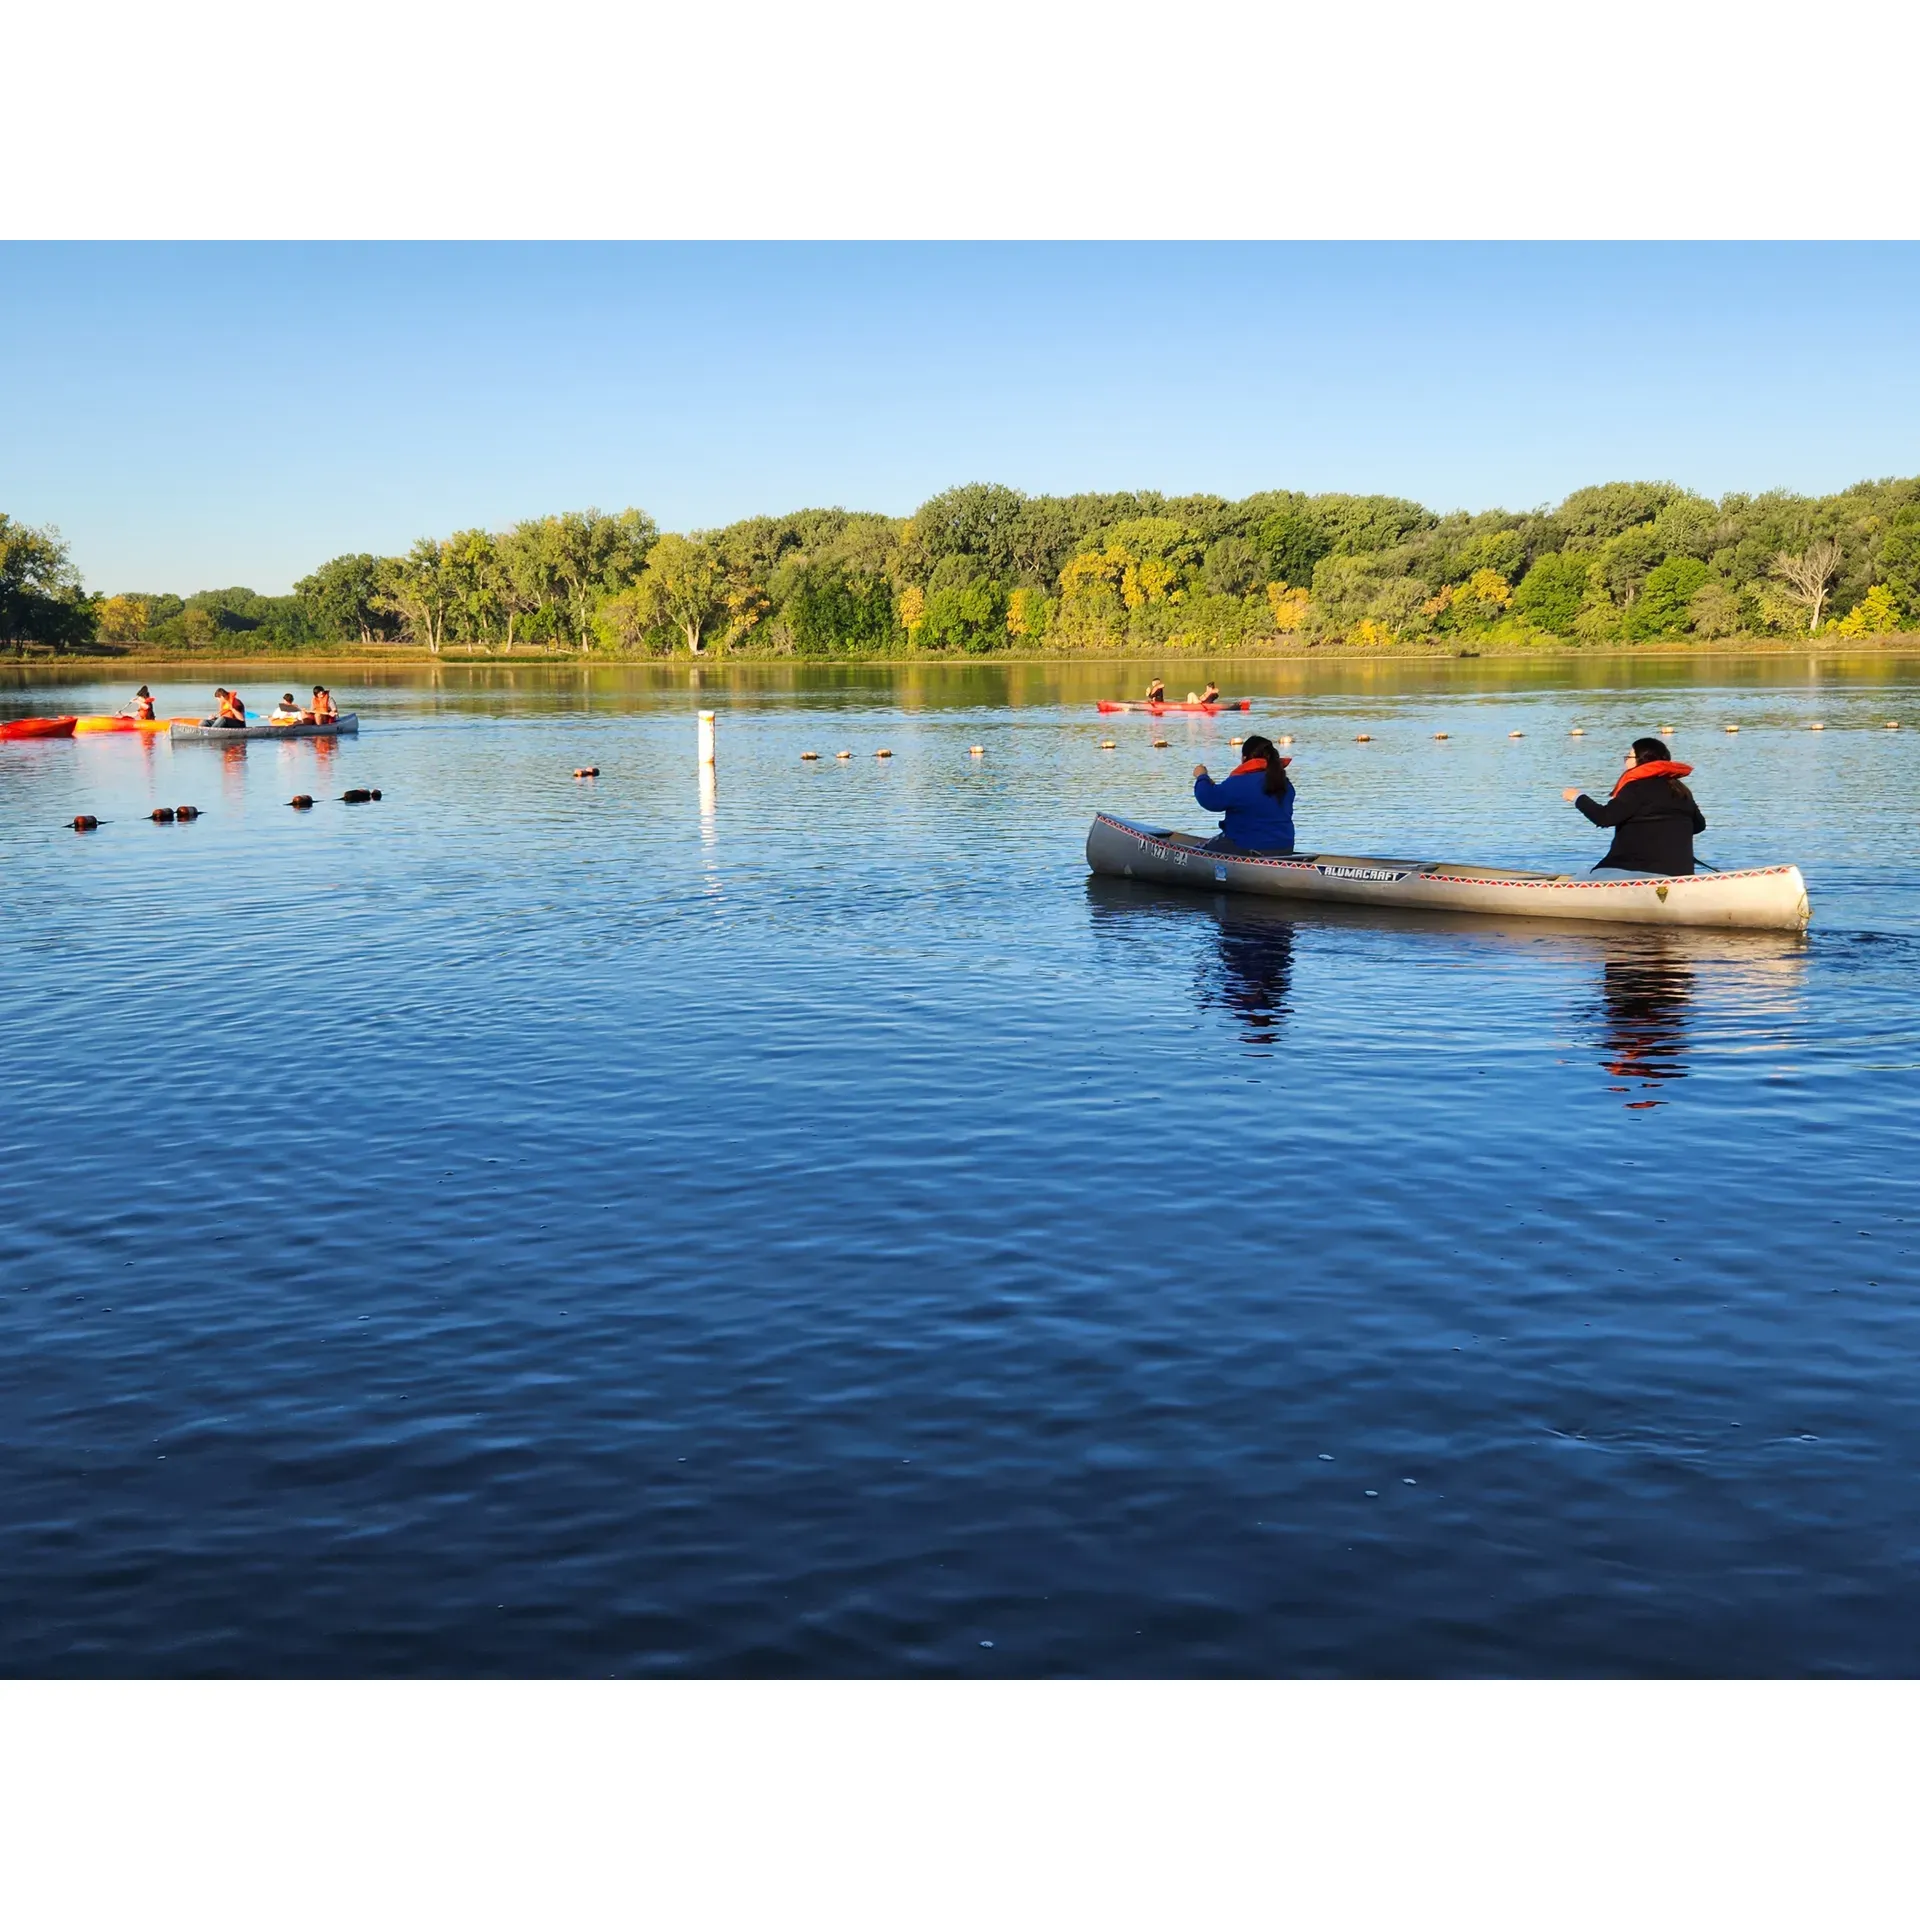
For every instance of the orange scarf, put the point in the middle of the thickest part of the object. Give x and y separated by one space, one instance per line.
1651 770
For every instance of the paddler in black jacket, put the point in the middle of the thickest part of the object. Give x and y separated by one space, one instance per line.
1651 811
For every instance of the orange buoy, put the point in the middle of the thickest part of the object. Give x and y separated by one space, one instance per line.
1516 734
1286 739
1816 726
1235 741
1439 736
85 822
1577 732
302 801
1163 743
1893 726
163 814
1733 729
883 753
1358 737
845 753
1106 746
976 749
809 756
186 813
1666 729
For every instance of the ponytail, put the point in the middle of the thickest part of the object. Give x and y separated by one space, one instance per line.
1257 746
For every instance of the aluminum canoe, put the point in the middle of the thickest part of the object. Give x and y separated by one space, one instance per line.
221 736
1756 897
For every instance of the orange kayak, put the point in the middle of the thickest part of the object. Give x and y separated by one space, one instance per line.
60 728
117 723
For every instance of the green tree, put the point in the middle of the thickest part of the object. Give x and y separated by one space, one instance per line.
1899 560
832 610
1290 547
595 555
1660 607
1550 593
42 600
972 619
683 587
341 601
419 591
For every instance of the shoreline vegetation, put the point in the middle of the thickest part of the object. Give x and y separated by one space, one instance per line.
984 571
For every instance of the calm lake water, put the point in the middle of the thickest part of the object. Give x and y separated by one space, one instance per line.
534 1226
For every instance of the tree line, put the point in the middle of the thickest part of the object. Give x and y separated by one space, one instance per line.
982 569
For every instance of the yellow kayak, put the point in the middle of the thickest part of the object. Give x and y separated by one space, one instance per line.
117 723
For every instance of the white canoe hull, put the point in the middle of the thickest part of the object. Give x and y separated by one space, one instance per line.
1757 897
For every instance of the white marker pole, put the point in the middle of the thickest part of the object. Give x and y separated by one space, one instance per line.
706 739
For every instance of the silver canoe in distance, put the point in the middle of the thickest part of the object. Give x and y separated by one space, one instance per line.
1757 897
220 736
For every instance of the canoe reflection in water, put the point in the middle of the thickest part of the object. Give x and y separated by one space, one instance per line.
1247 972
1663 995
1645 999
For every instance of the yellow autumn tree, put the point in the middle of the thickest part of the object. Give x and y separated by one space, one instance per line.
1290 606
1143 582
1876 613
122 620
1091 573
1490 591
912 610
1026 613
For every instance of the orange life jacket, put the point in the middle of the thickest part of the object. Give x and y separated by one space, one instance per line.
143 709
232 707
1259 766
1652 770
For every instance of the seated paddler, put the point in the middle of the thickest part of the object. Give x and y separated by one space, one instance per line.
1256 799
232 710
1651 810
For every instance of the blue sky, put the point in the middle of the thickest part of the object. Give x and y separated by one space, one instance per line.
196 416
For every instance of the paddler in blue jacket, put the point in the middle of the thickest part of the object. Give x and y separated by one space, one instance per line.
1256 798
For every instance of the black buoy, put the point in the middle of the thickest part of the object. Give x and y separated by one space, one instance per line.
186 813
354 795
301 800
163 814
85 822
373 793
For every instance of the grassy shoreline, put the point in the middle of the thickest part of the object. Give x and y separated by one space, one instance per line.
277 665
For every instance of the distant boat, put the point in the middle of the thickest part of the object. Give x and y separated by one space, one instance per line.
1175 706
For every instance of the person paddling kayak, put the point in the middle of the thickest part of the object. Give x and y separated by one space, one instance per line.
1157 692
323 709
142 706
1210 694
1256 798
1651 810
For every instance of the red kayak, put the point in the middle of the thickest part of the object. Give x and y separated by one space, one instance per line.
1175 706
57 729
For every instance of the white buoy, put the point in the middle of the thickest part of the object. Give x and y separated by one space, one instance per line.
1733 729
1893 726
1816 726
706 738
1577 733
